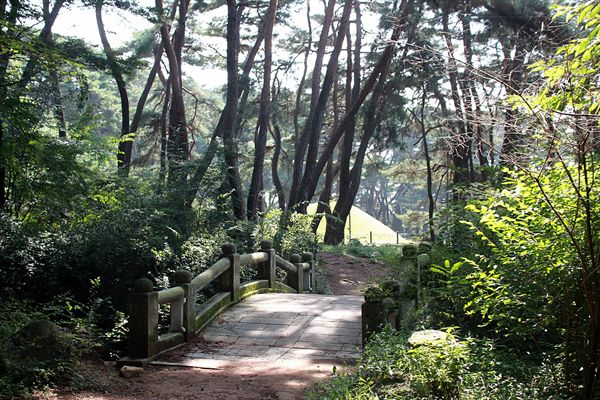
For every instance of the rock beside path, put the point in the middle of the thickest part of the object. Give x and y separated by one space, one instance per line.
429 337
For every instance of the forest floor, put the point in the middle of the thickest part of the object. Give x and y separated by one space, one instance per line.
352 275
243 380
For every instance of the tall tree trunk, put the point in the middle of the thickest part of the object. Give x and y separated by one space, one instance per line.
510 151
465 90
59 112
379 68
263 119
316 123
45 36
177 137
335 225
123 158
482 146
178 134
430 198
244 79
276 134
298 102
475 117
10 17
460 144
301 141
230 118
334 233
213 146
139 110
2 170
323 205
162 174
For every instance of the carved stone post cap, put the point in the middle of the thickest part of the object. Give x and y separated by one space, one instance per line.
307 256
295 258
424 246
229 248
266 244
183 276
388 302
143 285
409 250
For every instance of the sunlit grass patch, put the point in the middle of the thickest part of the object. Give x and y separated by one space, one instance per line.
364 227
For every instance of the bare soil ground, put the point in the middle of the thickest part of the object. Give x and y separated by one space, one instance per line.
228 380
352 275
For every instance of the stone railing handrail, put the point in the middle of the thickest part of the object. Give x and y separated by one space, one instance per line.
253 258
285 264
211 273
170 295
187 317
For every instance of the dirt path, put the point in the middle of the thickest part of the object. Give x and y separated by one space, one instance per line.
351 275
231 380
223 381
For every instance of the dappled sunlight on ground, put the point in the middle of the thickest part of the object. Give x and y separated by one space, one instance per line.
269 346
272 327
273 346
287 379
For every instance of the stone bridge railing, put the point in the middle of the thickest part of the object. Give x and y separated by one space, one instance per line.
187 317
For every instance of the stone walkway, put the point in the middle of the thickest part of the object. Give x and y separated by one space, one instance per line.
279 327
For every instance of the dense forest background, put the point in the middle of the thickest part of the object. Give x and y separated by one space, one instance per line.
472 123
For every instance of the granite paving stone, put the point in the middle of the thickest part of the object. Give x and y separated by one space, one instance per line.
351 325
317 345
276 328
280 326
265 320
256 341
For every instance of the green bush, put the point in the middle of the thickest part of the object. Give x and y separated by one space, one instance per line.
290 235
470 369
388 253
34 353
524 280
436 370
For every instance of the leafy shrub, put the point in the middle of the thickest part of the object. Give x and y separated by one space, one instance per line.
471 369
389 254
37 356
436 370
296 236
321 285
524 282
24 253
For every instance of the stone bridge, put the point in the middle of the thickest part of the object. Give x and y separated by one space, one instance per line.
282 326
268 318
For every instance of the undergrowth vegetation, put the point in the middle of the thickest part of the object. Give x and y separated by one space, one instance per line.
497 350
41 355
465 368
389 253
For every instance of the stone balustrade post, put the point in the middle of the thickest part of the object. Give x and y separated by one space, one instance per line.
143 320
229 281
296 280
176 314
183 279
309 276
267 269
